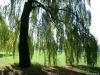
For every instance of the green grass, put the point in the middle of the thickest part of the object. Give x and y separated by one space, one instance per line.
38 57
7 58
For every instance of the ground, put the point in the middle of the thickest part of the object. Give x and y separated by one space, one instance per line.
38 69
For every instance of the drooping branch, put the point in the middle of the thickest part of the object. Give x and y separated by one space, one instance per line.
49 11
46 8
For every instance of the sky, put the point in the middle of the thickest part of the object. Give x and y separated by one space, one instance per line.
95 26
95 23
4 2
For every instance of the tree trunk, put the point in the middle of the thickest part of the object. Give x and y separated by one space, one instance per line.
24 55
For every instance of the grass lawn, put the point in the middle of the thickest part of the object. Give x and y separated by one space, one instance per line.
38 67
38 57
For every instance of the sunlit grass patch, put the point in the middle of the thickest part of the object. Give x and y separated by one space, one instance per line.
38 57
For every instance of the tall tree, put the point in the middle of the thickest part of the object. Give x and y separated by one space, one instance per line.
68 18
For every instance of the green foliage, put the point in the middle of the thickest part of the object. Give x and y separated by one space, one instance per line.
8 38
3 32
31 46
91 48
34 14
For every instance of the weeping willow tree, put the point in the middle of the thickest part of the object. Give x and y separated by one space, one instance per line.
7 37
53 26
3 33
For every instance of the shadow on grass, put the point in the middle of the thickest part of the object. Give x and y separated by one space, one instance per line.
1 55
37 69
65 71
95 70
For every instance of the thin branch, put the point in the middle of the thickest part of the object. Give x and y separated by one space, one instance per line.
46 8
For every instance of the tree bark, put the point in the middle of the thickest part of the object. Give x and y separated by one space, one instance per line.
24 55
